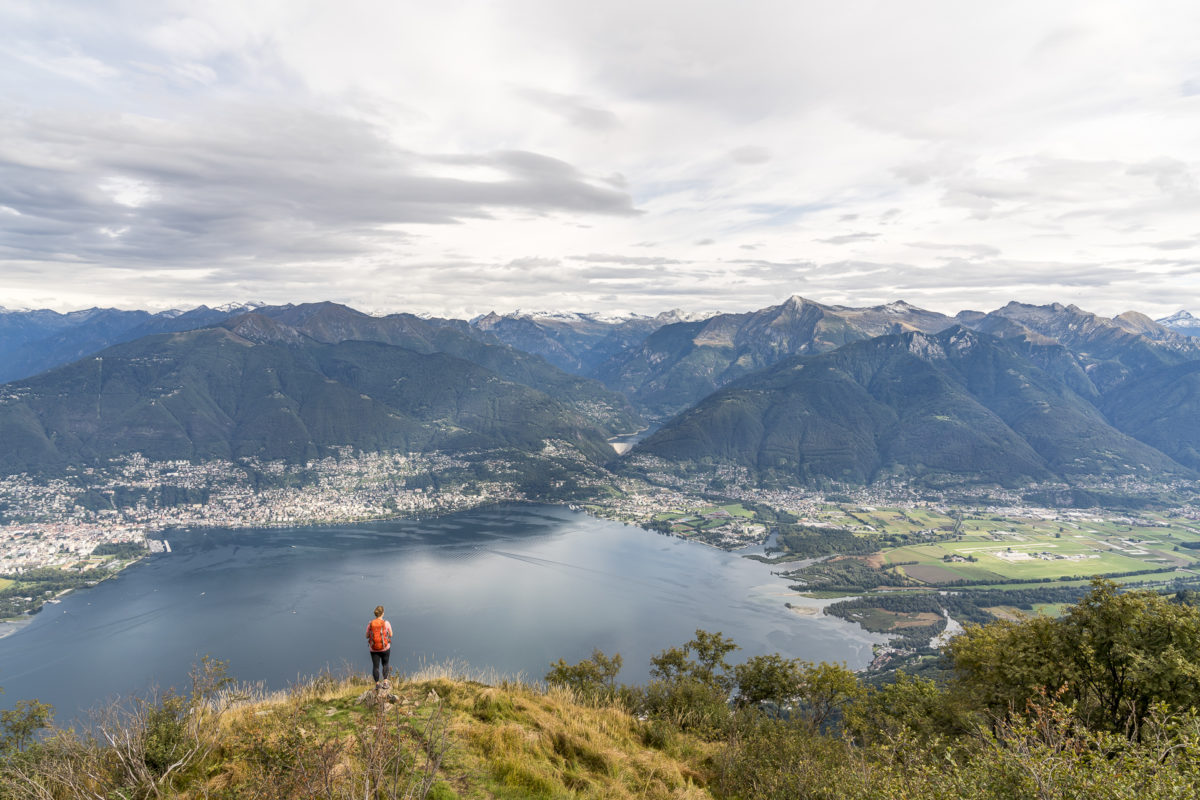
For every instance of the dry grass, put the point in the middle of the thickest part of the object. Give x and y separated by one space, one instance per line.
447 732
500 738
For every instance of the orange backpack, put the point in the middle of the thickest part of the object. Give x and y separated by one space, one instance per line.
378 635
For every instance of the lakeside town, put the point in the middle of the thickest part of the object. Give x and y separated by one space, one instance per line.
47 523
97 520
54 523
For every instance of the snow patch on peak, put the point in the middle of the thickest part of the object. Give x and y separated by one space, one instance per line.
1180 316
231 308
1181 322
679 315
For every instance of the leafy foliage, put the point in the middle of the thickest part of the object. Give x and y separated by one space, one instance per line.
1114 655
592 677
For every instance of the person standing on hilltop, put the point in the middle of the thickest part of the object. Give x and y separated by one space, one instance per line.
379 639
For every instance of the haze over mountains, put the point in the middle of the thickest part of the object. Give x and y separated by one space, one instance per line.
798 392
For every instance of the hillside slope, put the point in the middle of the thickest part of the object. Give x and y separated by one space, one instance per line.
679 364
953 406
35 341
333 323
271 394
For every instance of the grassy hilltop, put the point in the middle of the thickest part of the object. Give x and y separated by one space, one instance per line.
1100 703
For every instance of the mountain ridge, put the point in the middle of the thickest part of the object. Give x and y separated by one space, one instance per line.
958 403
212 393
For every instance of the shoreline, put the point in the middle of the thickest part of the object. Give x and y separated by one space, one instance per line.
11 626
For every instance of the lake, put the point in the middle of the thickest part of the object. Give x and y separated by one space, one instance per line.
511 588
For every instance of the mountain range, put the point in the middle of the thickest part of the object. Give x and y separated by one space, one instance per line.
259 388
797 392
911 405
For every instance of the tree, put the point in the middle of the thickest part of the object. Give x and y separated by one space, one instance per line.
1113 654
1132 650
709 667
907 708
769 678
710 650
593 676
826 689
19 724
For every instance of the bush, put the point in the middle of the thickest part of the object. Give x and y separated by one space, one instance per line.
686 703
594 677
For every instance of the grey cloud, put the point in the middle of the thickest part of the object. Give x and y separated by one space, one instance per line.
849 238
1174 244
979 206
247 187
573 109
784 214
1178 266
973 250
900 279
1009 274
914 174
607 258
1171 175
622 273
809 270
704 242
1060 189
750 154
1057 40
533 261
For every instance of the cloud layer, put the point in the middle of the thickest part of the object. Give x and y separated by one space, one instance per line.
640 156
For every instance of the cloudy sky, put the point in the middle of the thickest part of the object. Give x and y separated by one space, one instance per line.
458 157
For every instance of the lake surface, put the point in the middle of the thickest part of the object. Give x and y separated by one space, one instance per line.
511 588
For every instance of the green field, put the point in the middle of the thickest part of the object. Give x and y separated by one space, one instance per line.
1009 550
1049 545
1042 550
868 519
882 621
705 517
5 583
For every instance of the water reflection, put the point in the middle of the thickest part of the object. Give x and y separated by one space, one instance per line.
512 588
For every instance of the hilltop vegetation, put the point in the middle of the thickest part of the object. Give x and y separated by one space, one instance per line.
1100 704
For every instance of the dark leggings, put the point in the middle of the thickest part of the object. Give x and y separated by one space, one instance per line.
379 660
